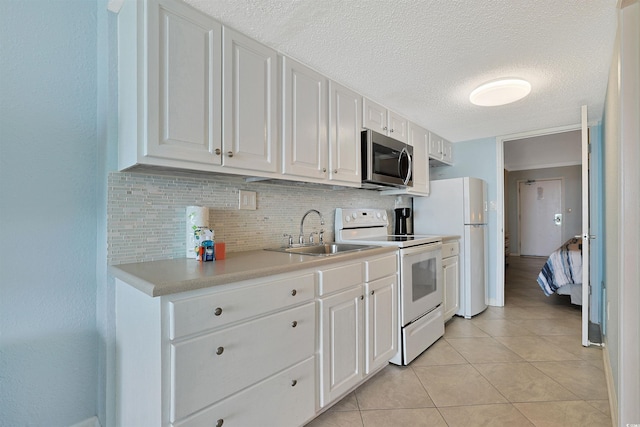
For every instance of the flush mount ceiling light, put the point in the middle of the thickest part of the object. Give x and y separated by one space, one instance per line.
500 92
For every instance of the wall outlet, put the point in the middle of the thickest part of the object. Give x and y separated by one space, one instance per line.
247 200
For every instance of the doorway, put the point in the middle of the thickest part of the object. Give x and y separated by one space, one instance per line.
540 213
530 162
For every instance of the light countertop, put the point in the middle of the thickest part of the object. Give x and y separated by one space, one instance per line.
164 277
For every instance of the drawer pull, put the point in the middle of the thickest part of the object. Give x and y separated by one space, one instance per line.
219 350
372 292
294 323
219 422
294 292
361 297
217 311
293 383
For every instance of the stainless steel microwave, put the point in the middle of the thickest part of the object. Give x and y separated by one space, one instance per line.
386 162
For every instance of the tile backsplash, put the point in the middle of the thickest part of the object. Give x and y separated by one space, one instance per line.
146 212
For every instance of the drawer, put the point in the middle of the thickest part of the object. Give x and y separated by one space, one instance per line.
196 314
286 399
335 279
209 368
450 249
380 267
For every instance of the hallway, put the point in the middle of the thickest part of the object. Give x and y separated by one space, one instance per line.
519 365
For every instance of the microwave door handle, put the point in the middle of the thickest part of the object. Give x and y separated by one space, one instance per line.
408 177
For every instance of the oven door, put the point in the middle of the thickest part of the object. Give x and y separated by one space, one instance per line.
420 280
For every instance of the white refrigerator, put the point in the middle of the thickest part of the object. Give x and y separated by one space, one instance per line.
458 206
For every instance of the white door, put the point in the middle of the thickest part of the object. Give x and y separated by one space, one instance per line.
185 61
344 134
374 116
419 139
540 206
586 236
305 145
250 103
381 313
341 353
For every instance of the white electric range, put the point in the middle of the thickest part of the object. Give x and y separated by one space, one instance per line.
421 320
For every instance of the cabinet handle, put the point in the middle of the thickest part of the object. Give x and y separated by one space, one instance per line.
335 171
372 292
217 151
294 323
384 128
217 311
219 350
230 153
293 293
293 383
361 297
324 170
391 130
219 422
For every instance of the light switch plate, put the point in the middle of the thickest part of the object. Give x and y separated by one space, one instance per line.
247 200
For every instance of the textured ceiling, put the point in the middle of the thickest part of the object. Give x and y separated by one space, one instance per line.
422 58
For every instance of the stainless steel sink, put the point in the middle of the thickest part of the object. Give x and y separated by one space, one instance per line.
325 249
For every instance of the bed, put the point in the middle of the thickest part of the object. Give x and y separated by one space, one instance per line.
562 273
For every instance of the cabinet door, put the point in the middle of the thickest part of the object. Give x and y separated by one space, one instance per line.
374 116
381 322
435 146
451 279
419 138
341 343
447 152
305 141
345 128
398 126
250 104
184 84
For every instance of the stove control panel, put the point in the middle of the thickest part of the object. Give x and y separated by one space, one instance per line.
360 218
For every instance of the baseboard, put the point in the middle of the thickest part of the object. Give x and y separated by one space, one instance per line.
89 422
611 389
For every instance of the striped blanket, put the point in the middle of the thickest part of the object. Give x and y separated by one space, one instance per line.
564 267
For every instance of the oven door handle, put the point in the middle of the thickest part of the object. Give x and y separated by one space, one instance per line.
430 247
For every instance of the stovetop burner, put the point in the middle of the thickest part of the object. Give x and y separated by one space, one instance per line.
370 226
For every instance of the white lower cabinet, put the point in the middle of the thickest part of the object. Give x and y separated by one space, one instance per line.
270 351
286 399
341 363
209 368
451 278
381 312
358 324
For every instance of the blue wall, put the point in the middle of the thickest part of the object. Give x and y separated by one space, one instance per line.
48 339
477 158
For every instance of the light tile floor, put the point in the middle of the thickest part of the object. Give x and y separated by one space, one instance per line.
519 365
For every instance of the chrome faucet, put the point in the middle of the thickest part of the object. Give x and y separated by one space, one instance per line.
301 238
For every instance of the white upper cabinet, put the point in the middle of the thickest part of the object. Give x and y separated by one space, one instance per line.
378 118
170 92
304 131
169 108
398 126
440 149
250 80
419 138
345 129
375 116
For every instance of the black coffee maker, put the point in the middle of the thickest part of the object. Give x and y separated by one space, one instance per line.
403 216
